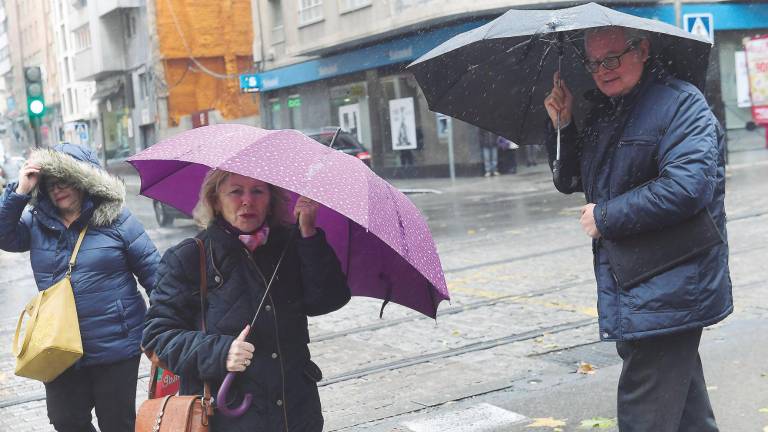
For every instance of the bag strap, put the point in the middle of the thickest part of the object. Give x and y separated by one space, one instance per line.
207 401
33 313
35 310
76 250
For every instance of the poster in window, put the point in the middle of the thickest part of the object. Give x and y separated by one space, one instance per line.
402 121
349 120
757 66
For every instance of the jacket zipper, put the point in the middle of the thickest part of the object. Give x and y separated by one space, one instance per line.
277 336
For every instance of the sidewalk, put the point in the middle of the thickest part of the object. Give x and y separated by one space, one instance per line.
744 147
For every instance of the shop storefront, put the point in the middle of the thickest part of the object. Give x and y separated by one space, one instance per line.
368 93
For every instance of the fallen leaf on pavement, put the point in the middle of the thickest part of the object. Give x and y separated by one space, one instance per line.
471 232
598 423
546 422
586 368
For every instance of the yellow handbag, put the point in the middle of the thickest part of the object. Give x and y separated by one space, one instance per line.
52 339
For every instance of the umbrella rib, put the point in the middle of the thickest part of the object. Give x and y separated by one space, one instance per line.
403 243
533 88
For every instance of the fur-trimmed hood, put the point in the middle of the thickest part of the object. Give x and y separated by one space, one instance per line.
80 167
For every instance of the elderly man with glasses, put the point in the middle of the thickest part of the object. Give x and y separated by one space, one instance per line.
649 156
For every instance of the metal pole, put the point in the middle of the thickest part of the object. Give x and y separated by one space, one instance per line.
678 13
35 122
451 162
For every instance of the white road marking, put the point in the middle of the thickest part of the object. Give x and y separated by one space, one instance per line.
477 418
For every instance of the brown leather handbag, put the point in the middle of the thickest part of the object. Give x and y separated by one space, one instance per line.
177 413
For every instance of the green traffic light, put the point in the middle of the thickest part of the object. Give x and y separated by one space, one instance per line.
33 79
36 107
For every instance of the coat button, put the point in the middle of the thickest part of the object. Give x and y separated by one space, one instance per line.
274 355
217 279
279 402
267 308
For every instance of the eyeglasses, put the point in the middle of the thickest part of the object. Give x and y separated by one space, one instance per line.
57 184
610 62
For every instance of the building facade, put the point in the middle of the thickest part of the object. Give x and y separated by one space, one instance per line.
198 51
29 41
78 110
342 63
110 40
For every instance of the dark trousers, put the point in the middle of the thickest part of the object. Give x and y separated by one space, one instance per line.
111 389
662 386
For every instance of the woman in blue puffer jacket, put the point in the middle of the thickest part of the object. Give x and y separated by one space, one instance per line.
66 190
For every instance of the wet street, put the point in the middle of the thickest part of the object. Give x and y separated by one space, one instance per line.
506 353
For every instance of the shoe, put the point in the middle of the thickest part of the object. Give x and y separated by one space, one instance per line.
487 174
496 173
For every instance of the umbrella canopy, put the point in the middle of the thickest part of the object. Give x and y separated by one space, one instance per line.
381 239
497 76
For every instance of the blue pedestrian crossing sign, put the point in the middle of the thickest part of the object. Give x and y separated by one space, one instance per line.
250 83
701 24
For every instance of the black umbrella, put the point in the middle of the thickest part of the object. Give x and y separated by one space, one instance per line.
497 76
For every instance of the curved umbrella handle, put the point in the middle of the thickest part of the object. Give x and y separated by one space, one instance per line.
221 396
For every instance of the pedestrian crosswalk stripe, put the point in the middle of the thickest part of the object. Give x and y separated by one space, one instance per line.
476 418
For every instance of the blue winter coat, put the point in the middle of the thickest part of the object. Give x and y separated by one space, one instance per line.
665 164
110 308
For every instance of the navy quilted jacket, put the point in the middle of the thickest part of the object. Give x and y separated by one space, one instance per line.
652 159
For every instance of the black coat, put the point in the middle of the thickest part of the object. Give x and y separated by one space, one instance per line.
281 376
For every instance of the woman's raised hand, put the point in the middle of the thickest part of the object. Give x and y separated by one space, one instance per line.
29 176
240 352
306 212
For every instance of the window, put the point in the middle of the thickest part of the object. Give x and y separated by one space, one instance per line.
310 11
130 25
82 37
68 99
65 66
278 32
63 36
294 111
274 114
144 85
350 5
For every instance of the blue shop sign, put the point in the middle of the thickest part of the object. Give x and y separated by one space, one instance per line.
396 51
250 83
729 16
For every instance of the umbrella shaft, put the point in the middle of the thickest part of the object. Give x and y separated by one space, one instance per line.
558 136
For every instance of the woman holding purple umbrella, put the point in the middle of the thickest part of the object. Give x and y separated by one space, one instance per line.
249 242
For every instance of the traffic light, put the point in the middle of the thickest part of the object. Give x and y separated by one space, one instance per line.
33 80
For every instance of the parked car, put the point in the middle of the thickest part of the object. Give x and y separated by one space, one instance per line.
165 214
345 142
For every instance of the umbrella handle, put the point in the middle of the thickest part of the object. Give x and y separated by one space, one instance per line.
221 396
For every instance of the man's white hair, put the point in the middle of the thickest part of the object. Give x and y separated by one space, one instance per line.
630 34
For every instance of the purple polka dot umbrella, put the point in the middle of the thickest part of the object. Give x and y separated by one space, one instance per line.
380 237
